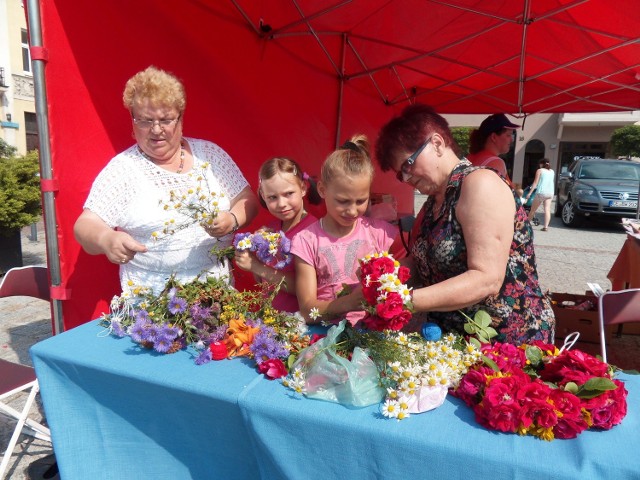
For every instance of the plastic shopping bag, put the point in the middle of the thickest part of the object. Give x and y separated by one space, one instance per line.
331 377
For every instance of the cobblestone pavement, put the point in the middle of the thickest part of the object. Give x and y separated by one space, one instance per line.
567 259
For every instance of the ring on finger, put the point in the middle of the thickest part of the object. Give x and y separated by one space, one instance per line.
124 260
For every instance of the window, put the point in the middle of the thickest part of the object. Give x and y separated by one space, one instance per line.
26 56
31 131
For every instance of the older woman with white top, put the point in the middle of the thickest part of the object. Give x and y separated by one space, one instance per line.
544 186
126 207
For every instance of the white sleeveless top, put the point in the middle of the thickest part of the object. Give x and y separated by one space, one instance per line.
129 194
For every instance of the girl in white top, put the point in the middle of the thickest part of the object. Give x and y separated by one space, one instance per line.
543 185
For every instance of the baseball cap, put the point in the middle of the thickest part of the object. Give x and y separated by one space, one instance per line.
495 123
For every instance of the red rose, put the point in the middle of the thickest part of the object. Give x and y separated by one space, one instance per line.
503 417
400 320
472 385
538 412
404 274
382 265
374 322
569 427
370 293
565 402
315 337
391 306
273 368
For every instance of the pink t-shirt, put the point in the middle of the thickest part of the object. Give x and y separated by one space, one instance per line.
285 301
336 259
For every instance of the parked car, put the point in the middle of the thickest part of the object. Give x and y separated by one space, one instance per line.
597 188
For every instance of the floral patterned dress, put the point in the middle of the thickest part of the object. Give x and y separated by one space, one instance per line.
520 311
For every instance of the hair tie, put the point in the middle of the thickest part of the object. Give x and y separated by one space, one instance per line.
349 145
305 176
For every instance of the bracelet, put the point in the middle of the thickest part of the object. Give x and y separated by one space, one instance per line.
236 225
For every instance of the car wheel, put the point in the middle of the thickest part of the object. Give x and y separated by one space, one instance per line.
569 216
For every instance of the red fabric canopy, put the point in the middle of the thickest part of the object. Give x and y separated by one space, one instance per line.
293 78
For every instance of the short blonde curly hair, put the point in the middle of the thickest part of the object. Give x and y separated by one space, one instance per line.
156 86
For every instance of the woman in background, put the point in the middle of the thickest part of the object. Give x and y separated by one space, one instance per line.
544 186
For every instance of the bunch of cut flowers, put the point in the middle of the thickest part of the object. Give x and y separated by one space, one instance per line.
404 371
542 391
199 204
272 248
387 297
211 317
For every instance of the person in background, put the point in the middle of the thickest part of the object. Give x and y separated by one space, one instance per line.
494 137
282 189
472 245
544 186
125 205
327 252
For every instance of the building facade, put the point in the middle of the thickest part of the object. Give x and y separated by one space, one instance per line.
18 126
560 137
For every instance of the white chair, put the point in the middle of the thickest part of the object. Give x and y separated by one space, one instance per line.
616 307
15 378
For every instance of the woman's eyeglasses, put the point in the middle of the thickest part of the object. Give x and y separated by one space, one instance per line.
149 124
404 174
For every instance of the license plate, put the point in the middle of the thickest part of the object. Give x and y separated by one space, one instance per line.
624 204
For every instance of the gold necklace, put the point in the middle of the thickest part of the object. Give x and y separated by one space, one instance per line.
180 167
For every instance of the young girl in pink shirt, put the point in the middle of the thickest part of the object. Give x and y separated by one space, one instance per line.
327 252
282 189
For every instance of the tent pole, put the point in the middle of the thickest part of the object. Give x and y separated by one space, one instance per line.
341 91
53 258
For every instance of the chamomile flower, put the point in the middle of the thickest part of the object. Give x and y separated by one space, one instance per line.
390 408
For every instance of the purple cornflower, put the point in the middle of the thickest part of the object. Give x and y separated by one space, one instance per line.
150 333
239 237
200 314
169 332
138 331
217 335
285 243
204 357
116 328
265 346
162 344
177 305
142 315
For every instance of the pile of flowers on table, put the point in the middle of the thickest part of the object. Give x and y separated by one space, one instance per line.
538 390
360 367
212 318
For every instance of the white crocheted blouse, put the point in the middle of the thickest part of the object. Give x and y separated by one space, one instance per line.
129 194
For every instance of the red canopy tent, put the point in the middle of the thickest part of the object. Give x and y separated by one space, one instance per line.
295 77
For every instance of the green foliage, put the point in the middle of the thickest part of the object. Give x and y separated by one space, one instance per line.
20 202
625 141
6 150
480 327
461 136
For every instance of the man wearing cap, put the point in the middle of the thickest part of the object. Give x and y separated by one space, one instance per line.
492 138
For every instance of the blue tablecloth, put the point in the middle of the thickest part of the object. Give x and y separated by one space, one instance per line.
117 411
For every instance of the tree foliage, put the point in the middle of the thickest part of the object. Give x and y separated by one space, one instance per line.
625 141
461 136
6 150
20 201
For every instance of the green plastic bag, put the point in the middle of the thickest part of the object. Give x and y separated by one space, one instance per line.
331 377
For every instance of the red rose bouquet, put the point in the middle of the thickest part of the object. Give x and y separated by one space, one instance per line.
387 297
538 390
